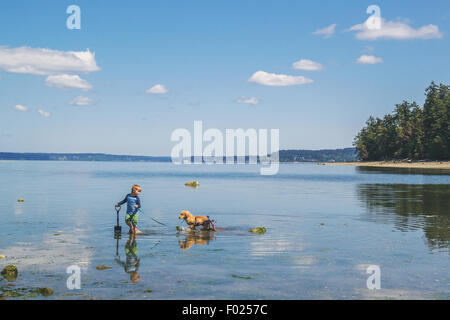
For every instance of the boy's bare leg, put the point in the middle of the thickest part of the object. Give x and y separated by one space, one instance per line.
131 226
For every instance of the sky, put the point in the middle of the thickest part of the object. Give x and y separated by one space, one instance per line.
136 71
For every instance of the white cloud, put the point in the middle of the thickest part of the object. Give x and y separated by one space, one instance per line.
157 89
82 101
394 30
365 59
43 113
308 65
67 81
20 107
326 32
46 61
272 79
252 100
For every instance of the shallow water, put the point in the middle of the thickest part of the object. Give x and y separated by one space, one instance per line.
325 226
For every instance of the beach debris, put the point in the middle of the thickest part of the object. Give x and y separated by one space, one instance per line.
20 200
2 256
241 277
5 295
102 267
10 273
193 184
44 291
258 230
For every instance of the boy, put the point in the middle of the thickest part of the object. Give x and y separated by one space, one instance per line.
133 205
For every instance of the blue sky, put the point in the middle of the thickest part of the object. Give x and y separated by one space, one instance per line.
204 53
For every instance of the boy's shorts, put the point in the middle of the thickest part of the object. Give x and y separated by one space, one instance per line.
133 219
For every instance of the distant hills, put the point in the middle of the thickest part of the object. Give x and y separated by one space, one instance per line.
326 155
338 155
79 157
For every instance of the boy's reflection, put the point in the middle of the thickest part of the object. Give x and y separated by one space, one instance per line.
131 264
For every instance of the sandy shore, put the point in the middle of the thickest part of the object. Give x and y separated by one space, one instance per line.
396 164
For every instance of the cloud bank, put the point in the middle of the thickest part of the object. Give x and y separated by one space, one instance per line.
394 30
46 61
307 65
157 89
326 32
278 80
252 100
20 107
67 81
366 59
81 101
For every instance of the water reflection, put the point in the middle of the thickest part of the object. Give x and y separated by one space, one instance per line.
403 170
192 237
410 207
131 263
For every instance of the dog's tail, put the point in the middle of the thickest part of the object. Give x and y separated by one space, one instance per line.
211 224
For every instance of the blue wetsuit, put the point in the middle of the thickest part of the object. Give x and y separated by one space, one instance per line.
131 204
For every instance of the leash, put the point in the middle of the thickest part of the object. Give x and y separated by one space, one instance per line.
152 218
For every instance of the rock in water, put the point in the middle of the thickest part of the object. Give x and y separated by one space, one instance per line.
10 273
45 291
194 184
258 230
101 267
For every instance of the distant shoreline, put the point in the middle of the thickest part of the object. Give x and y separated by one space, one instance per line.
396 164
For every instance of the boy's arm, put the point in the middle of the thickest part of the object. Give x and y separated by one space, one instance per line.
123 201
138 203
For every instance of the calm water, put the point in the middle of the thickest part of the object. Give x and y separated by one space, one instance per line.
325 226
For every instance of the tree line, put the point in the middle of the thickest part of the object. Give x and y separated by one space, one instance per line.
410 132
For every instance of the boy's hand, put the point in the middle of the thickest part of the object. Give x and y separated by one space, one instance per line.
116 205
136 206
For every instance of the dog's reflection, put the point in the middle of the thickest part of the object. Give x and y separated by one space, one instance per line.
131 264
192 237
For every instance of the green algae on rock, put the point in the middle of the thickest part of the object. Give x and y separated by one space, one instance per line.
44 291
258 230
10 272
241 277
193 184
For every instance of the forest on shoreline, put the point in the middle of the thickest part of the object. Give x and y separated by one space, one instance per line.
410 132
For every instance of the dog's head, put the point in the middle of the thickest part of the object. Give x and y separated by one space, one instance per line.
184 214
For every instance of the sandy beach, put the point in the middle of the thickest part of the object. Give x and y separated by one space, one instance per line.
396 164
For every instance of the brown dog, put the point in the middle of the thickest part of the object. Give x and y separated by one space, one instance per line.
194 221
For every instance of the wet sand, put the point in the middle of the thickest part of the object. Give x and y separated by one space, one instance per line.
396 164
